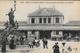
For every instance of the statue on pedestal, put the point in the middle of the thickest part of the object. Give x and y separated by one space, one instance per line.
10 27
11 17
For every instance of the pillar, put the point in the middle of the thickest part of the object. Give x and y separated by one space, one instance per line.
60 20
37 20
61 34
51 20
46 20
52 34
29 33
29 20
54 20
37 34
42 20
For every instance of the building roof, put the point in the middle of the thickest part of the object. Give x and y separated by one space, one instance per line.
73 23
46 12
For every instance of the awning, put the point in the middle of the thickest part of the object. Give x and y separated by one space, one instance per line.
49 28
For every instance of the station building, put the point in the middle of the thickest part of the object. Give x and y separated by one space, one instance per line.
49 23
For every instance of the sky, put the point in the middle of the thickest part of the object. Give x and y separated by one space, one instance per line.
70 9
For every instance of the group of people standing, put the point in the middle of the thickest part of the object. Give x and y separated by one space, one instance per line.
56 48
34 42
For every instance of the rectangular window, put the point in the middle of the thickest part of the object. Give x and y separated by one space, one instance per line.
44 20
32 20
49 20
57 32
40 20
57 20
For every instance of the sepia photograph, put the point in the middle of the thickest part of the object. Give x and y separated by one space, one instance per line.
39 26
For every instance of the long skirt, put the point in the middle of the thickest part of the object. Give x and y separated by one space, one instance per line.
12 46
56 51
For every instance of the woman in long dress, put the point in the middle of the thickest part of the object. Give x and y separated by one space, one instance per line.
64 48
12 45
56 48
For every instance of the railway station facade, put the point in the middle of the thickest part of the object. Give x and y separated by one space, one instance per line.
49 23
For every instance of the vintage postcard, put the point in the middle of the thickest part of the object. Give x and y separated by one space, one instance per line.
39 26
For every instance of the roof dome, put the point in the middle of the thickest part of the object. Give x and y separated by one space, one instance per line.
46 12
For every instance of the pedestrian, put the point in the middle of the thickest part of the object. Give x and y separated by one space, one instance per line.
56 48
38 43
21 40
12 43
31 44
45 43
34 42
69 49
3 49
64 48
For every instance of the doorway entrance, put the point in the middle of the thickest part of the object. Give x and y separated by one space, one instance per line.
46 34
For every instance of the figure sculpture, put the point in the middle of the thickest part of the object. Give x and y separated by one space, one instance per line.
11 17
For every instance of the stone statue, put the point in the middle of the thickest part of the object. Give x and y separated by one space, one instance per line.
11 17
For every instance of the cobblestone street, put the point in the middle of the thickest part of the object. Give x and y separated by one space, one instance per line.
74 45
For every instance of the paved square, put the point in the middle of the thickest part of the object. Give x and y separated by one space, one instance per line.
74 45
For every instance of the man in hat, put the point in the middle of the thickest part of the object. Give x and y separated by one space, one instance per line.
45 43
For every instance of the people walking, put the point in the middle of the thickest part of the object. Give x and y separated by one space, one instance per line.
45 43
56 48
64 48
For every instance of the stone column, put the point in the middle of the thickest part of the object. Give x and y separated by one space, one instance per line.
37 20
47 20
42 20
52 33
51 20
29 20
61 34
54 20
60 20
37 34
29 34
